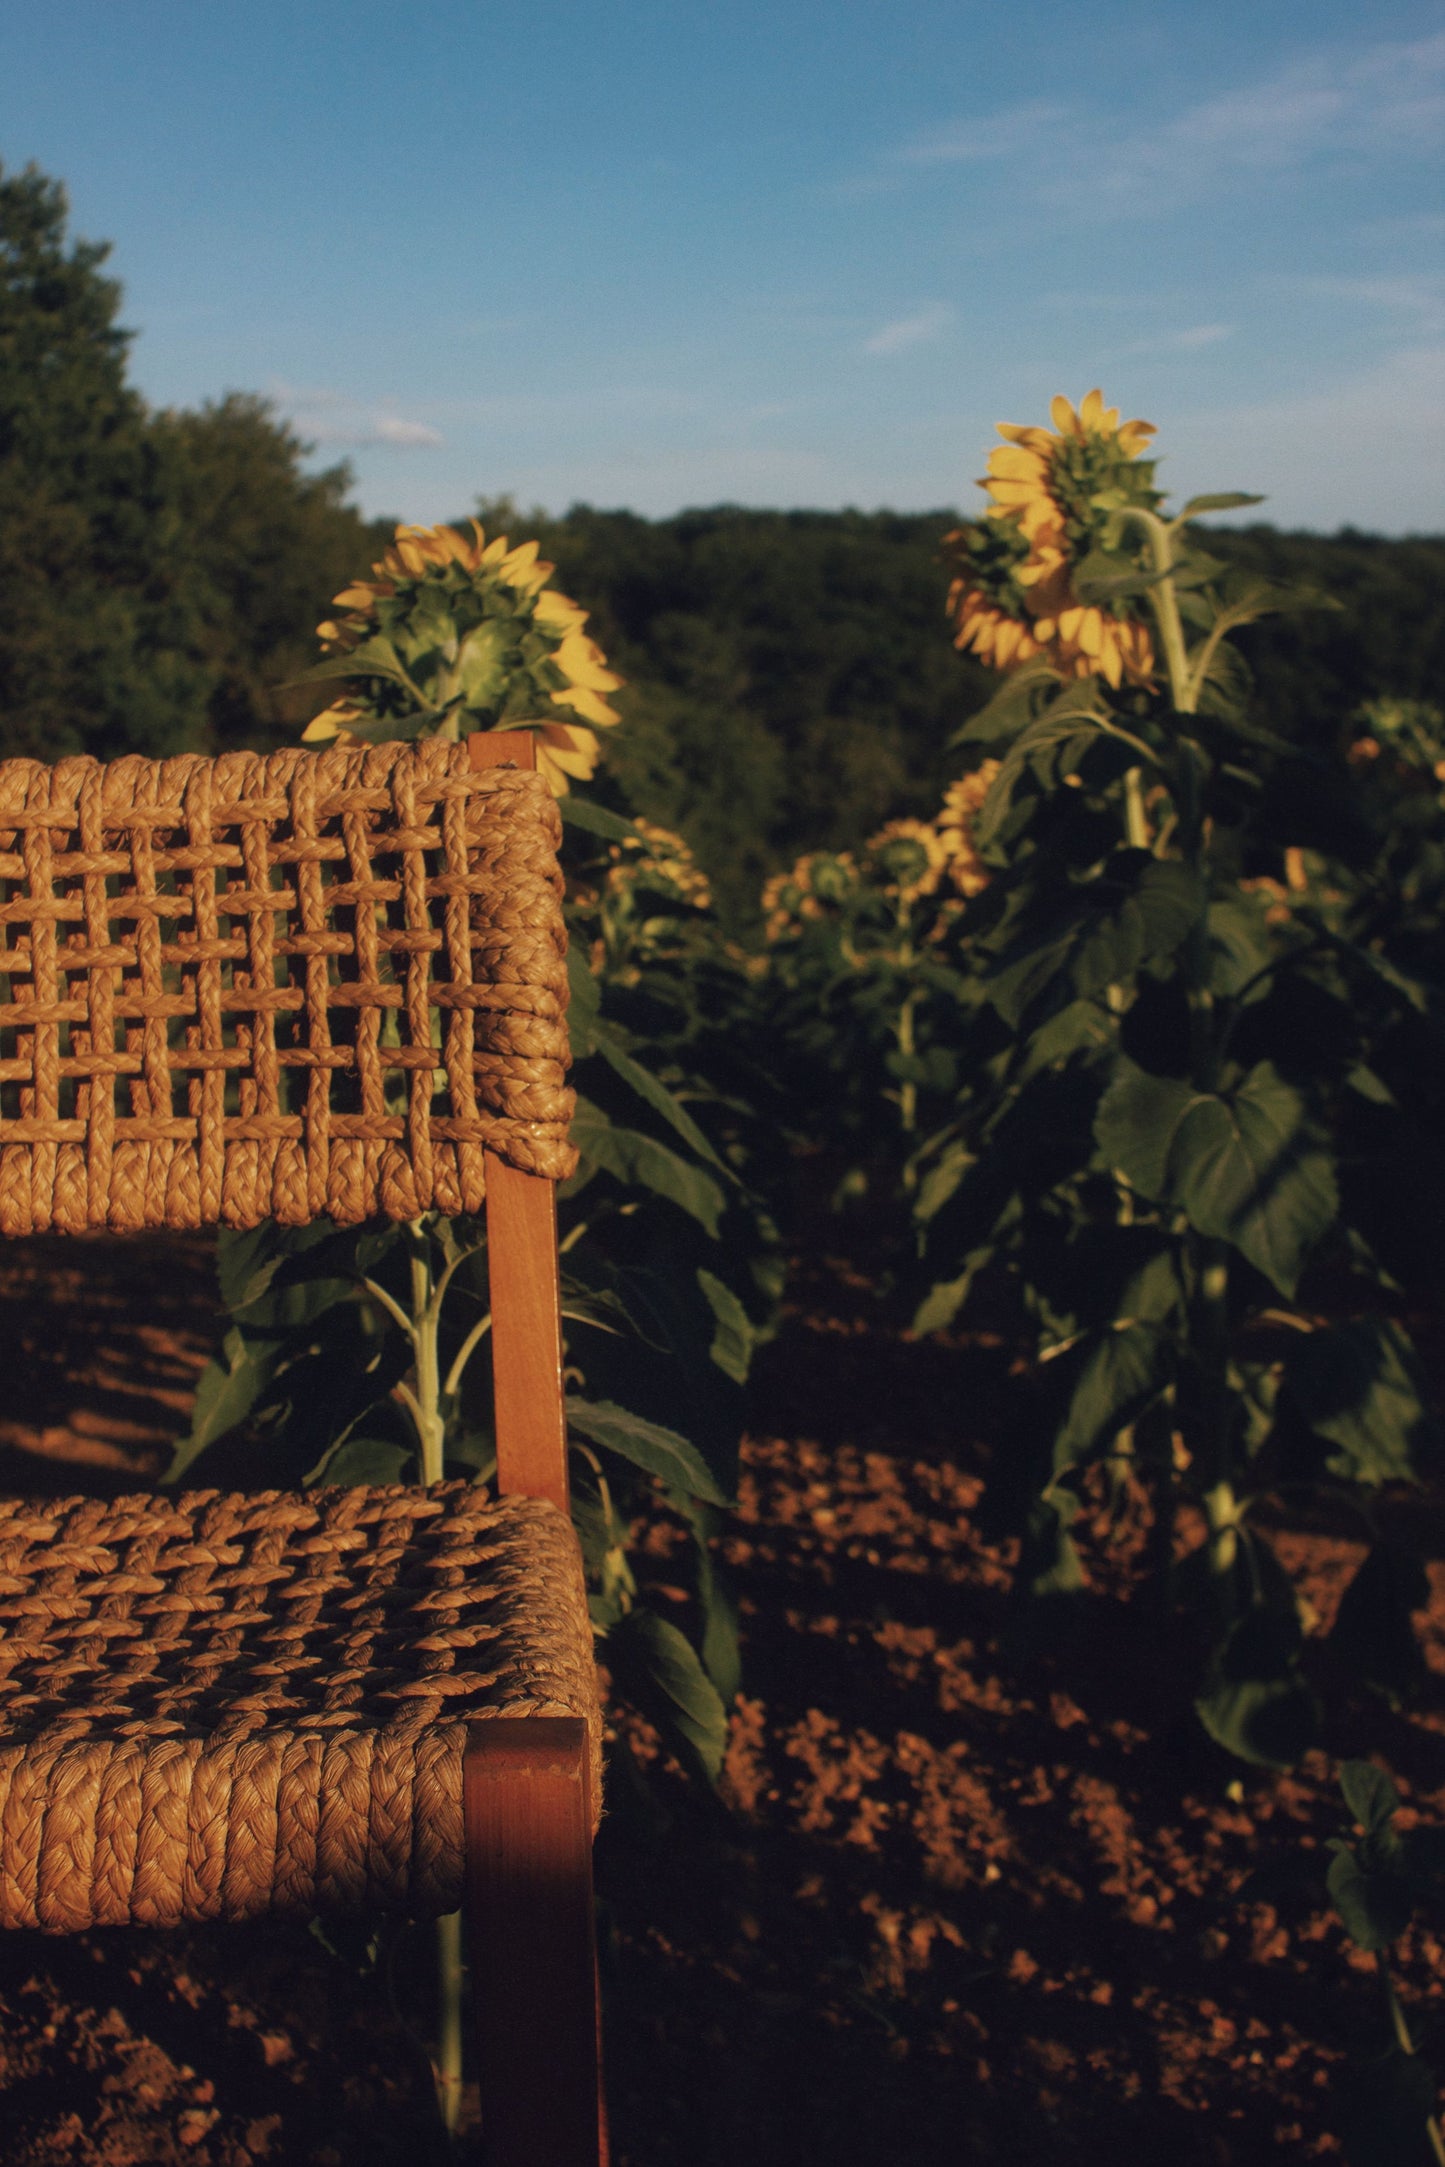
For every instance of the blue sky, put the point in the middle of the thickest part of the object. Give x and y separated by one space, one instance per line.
798 253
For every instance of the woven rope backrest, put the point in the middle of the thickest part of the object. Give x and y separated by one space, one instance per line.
278 987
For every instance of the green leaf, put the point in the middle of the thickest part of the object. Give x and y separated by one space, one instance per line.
1369 1793
943 1301
584 1000
639 1161
646 1445
942 1178
656 1095
1231 500
720 1653
227 1392
1374 1908
732 1346
1388 2106
376 657
1078 1027
1130 1364
1049 1564
655 1660
1010 707
1100 933
1248 1166
1255 1703
359 1460
1374 1631
1070 717
247 1263
1104 577
1359 1385
597 820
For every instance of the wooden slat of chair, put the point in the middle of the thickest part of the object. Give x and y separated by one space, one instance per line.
527 1812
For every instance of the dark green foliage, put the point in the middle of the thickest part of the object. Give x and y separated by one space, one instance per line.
790 679
1183 1163
266 546
791 682
1378 1884
160 575
96 631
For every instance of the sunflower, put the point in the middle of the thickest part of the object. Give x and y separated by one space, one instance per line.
820 881
1057 496
962 802
465 634
660 860
911 856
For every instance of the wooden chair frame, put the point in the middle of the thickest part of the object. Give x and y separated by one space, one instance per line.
527 1808
526 1805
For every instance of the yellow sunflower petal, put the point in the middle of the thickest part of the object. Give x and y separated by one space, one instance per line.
1017 463
582 659
583 702
560 610
1062 414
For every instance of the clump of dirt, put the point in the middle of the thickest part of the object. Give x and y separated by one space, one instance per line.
963 1897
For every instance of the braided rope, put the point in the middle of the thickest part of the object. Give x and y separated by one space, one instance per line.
220 1706
280 987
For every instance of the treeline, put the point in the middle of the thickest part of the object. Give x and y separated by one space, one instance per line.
790 677
159 572
792 681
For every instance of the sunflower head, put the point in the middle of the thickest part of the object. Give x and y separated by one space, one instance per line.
818 885
909 857
1059 499
454 633
962 803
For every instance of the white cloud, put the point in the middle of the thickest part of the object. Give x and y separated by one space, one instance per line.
906 331
1416 294
994 135
1380 101
334 421
1375 102
1369 451
392 429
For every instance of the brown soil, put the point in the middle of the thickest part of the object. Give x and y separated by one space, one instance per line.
963 1903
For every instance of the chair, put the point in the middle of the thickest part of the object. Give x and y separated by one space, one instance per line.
217 985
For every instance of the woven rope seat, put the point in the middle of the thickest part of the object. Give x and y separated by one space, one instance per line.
217 1706
218 979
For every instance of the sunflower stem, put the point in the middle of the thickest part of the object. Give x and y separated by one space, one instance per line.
1165 604
449 2020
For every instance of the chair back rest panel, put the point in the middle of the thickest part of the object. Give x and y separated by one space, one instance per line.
218 979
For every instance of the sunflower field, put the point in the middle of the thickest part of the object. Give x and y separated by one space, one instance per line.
1009 1035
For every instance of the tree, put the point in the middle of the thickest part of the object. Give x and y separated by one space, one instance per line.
161 575
96 630
267 545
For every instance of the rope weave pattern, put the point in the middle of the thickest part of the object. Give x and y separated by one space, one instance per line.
220 982
218 1706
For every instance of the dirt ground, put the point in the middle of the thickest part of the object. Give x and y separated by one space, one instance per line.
957 1904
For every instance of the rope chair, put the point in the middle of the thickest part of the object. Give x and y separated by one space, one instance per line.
218 986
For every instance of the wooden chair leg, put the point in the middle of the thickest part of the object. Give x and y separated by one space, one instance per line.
528 1825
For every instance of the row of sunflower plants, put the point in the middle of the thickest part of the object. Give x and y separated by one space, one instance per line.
362 1355
854 991
1194 1149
